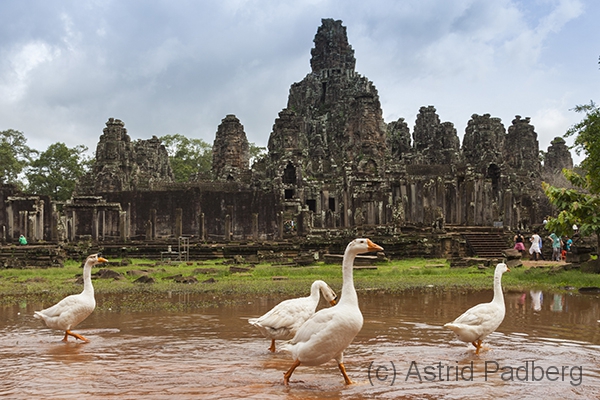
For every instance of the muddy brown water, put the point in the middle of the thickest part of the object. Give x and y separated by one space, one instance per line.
547 347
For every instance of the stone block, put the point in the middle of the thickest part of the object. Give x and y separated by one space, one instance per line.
512 254
514 263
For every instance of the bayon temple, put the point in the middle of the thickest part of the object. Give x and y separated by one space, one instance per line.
334 168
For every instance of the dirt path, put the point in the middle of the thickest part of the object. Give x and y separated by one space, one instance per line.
542 263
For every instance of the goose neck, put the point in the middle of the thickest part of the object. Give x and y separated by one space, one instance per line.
87 278
348 290
314 291
498 295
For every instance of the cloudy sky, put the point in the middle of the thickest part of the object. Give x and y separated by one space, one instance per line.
180 66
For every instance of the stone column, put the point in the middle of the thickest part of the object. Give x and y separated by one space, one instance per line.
178 222
73 230
414 209
345 209
509 221
149 230
10 217
94 223
329 220
470 196
153 220
103 230
128 221
30 225
23 216
228 233
122 225
280 225
255 226
202 227
304 225
231 220
40 221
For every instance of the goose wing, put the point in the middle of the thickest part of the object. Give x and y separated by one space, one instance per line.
68 303
286 314
478 315
319 323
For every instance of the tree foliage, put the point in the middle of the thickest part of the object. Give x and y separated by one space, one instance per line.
587 141
256 152
191 157
188 157
581 204
15 155
55 172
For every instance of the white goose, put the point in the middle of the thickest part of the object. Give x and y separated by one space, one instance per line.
329 331
283 320
479 321
73 309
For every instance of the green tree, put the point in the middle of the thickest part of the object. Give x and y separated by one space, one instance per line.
15 155
587 142
55 172
256 152
580 205
188 157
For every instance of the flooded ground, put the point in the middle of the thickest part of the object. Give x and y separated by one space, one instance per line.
547 347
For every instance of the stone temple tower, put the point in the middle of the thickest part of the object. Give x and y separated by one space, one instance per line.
231 151
331 132
335 111
123 165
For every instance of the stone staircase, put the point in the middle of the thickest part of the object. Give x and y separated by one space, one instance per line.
486 245
31 256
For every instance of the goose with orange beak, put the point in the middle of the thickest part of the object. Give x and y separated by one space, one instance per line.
479 321
326 334
70 311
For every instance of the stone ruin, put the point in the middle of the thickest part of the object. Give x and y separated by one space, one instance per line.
122 165
231 156
334 167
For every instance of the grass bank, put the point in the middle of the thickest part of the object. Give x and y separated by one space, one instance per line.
224 285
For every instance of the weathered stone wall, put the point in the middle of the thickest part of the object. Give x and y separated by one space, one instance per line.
224 210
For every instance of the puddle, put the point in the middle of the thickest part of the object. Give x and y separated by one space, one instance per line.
547 344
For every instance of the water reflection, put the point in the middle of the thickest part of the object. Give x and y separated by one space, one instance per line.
558 302
537 298
402 351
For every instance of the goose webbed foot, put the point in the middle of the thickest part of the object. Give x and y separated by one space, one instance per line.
346 377
288 374
477 344
75 335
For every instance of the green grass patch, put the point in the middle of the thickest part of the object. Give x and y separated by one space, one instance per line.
266 280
